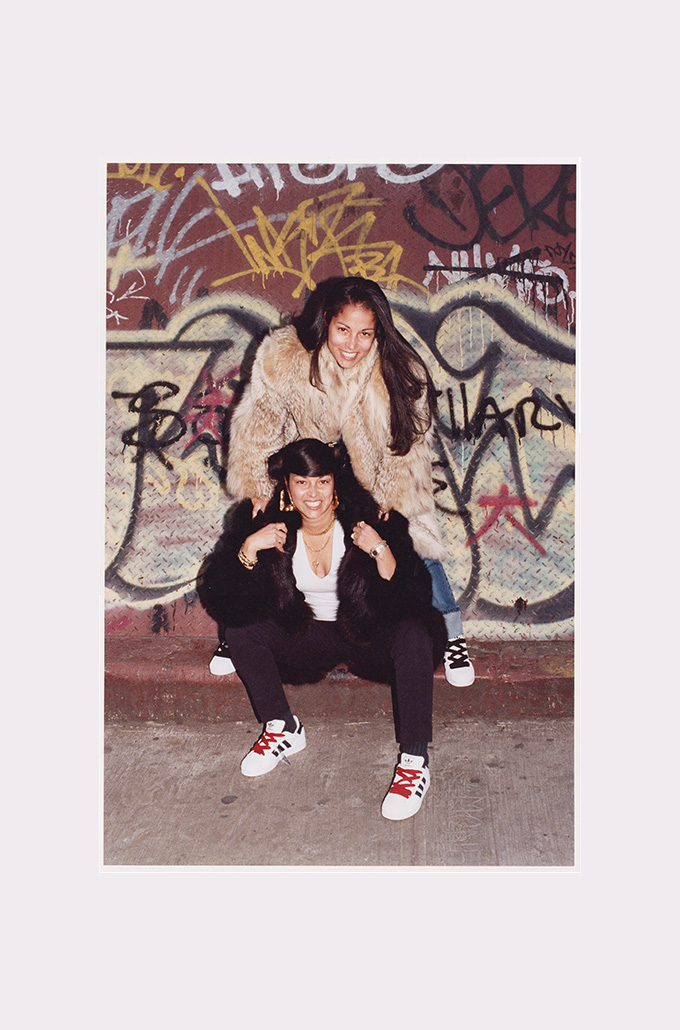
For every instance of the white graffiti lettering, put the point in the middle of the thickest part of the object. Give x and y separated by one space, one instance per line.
232 182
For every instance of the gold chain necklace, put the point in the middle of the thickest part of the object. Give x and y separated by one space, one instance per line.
315 550
321 532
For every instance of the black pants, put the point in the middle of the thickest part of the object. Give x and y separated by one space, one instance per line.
402 657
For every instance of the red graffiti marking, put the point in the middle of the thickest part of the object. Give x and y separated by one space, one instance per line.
499 503
213 402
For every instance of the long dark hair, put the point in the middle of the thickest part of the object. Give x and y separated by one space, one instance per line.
405 375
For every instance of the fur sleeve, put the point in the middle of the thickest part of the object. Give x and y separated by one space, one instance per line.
235 596
227 590
399 482
404 482
263 421
410 589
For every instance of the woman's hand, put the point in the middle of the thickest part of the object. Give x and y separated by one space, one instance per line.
259 504
366 538
273 535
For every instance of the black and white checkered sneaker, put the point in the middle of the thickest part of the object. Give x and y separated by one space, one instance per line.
221 663
458 668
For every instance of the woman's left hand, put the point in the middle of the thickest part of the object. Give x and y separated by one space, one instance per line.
366 538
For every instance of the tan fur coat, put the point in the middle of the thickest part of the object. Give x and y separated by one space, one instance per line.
280 405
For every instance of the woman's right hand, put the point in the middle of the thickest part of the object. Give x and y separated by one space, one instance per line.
272 535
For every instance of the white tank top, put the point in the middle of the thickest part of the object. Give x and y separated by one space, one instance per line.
320 594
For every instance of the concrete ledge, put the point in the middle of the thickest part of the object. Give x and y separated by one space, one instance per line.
166 679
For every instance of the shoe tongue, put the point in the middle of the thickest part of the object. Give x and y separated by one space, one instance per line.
412 761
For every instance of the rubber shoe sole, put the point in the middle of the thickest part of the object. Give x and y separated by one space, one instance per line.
464 677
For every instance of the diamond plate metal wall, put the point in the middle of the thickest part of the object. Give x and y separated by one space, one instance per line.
497 337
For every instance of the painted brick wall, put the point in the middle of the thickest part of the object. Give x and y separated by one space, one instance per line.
479 264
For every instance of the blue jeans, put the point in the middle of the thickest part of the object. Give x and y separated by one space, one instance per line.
443 599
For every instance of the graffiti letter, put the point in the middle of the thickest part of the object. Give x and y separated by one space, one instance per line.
313 179
386 173
151 418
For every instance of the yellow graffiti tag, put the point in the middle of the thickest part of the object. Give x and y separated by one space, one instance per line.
206 491
160 484
335 224
146 177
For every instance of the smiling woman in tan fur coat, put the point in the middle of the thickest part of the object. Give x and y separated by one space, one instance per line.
346 373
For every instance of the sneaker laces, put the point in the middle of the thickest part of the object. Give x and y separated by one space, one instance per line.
456 653
407 783
265 741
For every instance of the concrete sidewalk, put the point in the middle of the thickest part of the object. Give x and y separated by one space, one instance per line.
502 767
501 795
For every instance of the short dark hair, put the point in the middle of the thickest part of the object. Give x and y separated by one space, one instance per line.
307 457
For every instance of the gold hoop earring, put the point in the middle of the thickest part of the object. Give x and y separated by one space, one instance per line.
336 502
285 504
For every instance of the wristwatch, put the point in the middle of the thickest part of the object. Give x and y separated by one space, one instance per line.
378 549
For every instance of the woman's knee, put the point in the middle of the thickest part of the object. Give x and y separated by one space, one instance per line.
410 636
254 634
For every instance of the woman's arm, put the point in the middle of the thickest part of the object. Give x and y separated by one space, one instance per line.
367 539
411 582
257 430
229 590
272 535
264 419
404 481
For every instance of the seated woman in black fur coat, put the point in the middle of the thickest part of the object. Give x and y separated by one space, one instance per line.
310 583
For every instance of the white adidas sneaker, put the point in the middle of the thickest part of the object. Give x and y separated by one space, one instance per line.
273 744
410 783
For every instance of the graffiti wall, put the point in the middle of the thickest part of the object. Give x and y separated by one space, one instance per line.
479 264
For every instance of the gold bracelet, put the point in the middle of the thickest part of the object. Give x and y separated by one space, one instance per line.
245 560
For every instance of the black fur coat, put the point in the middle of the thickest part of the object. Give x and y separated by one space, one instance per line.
235 596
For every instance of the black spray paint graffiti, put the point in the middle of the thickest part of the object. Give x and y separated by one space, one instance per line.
147 435
202 421
558 252
489 421
145 438
503 267
446 485
470 191
472 427
158 427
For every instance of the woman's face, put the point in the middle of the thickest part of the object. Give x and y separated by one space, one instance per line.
350 334
311 495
